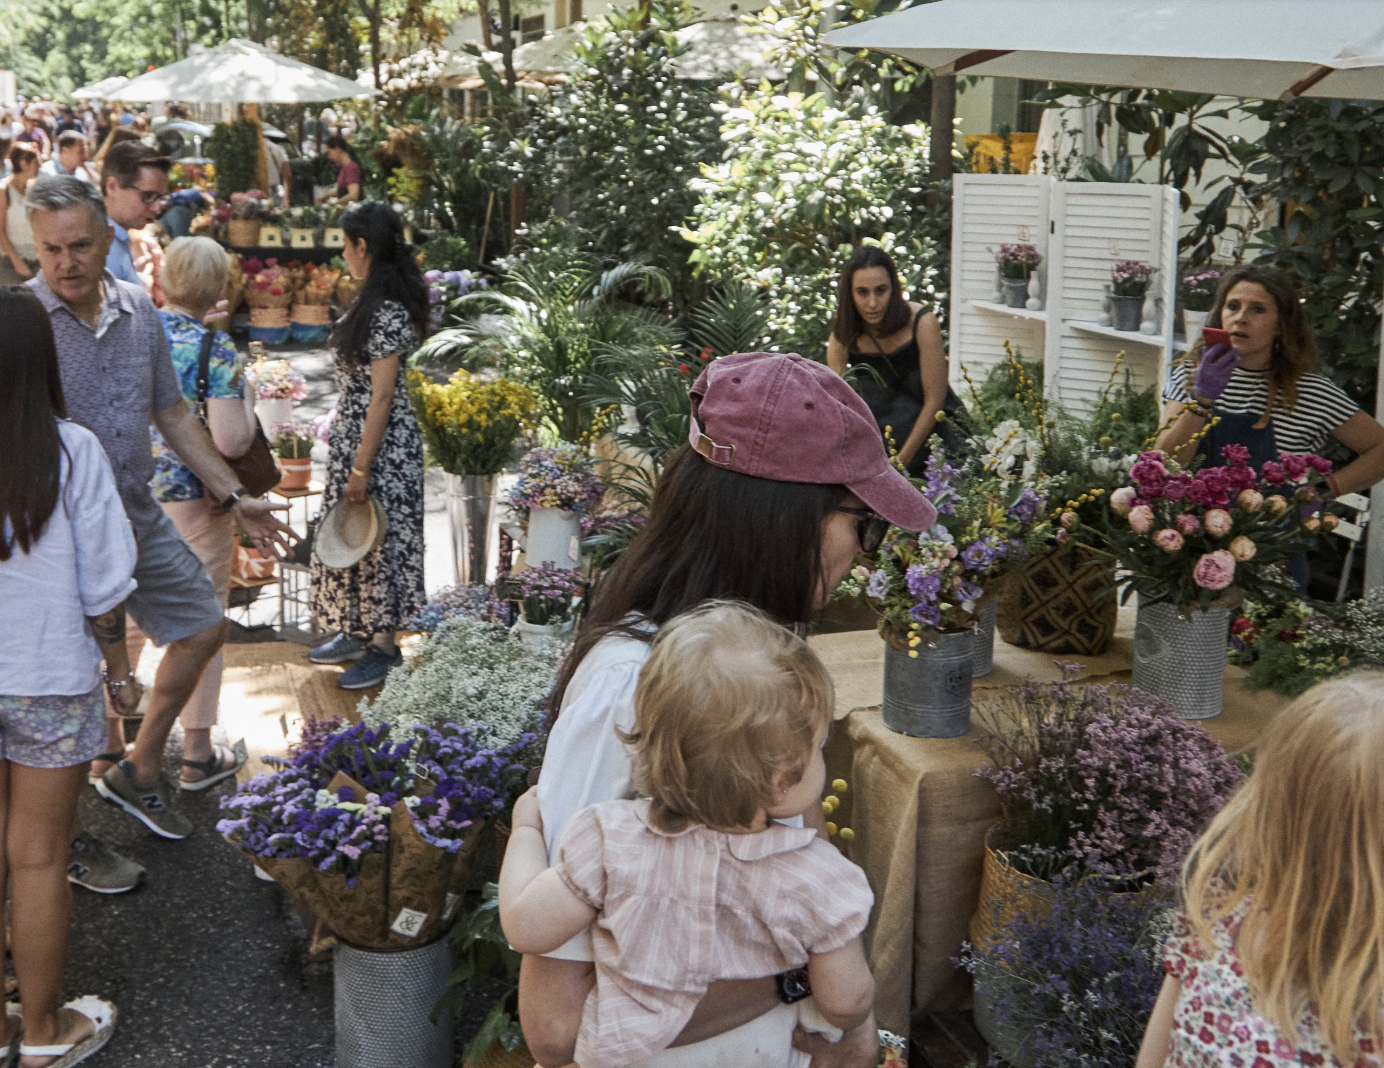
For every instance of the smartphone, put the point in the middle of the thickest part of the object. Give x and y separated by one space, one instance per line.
1213 335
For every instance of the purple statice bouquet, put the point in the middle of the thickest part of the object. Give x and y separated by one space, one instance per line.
354 822
1105 779
1131 278
474 602
1075 986
1018 260
546 594
561 477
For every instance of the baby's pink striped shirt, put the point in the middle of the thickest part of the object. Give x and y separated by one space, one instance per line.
679 911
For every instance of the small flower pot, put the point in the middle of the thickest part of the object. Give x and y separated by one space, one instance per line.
333 237
302 237
271 237
295 473
541 633
1015 292
1192 324
1126 313
251 564
554 537
929 695
243 233
1181 658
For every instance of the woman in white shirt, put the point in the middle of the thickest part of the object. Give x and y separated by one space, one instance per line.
67 557
784 481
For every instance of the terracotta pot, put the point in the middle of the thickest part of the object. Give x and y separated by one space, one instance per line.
297 473
251 564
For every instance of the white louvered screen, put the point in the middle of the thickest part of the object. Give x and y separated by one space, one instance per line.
1082 229
990 210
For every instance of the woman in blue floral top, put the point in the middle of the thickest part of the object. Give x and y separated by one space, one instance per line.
194 274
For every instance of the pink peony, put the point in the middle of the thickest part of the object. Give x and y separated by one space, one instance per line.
1277 505
1176 486
1215 570
1294 466
1250 500
1243 549
1217 522
1235 455
1273 473
1317 463
1169 540
1188 523
1120 500
1141 519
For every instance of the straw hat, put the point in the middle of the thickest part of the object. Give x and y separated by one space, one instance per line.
349 531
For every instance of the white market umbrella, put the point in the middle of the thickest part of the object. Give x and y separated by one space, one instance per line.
1268 49
102 89
240 72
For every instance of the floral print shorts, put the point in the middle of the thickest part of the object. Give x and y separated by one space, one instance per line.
53 731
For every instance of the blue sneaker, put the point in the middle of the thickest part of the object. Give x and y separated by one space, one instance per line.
374 664
340 650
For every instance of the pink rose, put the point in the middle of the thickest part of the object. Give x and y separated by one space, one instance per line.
1277 505
1250 500
1061 537
1141 519
1243 549
1169 540
1188 523
1120 500
1217 522
1215 570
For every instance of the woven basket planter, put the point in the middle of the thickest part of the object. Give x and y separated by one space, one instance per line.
1004 894
1053 605
243 233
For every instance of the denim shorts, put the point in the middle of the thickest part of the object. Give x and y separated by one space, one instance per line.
174 598
53 731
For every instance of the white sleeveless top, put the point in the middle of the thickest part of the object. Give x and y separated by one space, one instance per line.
17 224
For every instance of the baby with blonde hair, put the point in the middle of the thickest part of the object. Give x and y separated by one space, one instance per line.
1279 957
697 882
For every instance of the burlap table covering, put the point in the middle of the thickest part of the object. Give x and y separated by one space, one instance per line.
919 813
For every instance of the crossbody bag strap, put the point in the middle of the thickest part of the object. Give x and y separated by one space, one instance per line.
204 373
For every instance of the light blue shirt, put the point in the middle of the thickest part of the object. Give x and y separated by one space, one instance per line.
119 261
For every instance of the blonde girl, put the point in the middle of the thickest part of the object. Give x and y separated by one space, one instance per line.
1279 957
698 883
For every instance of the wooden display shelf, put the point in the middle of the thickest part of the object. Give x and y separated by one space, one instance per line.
1155 340
1005 309
249 584
314 488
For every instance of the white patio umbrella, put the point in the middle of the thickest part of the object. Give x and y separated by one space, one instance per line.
102 89
1268 49
240 72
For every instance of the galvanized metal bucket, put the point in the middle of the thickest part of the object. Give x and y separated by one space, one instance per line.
929 696
384 1003
1182 658
983 658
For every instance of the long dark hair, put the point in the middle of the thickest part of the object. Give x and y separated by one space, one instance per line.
848 324
712 534
1294 346
337 141
393 276
30 403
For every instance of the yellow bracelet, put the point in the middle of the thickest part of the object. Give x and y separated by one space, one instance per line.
359 473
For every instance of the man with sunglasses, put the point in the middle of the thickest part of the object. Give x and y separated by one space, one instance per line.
134 180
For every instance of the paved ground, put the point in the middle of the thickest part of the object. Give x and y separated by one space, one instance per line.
208 966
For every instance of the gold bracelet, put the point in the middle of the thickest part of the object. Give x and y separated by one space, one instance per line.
359 473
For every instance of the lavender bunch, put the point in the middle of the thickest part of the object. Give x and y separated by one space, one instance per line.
1106 778
471 781
1076 987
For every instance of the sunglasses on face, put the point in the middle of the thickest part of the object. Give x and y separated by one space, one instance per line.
870 527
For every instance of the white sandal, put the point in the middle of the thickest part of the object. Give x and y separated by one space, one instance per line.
102 1015
215 769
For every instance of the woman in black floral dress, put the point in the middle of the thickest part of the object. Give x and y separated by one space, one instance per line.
375 450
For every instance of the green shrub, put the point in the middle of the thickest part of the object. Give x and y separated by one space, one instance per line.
234 149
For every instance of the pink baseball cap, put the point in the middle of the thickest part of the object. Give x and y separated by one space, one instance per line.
793 420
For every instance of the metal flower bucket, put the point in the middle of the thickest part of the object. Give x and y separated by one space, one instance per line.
929 696
385 1002
983 659
1182 658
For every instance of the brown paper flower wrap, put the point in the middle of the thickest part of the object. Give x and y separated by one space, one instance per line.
346 290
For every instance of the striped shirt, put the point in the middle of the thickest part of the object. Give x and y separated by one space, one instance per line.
1321 407
679 911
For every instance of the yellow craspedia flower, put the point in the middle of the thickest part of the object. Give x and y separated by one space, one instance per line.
831 829
839 785
847 834
833 800
827 807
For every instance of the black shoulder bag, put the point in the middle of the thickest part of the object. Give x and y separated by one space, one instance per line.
257 471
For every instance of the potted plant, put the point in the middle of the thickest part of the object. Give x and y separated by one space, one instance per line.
484 957
293 443
927 589
1193 545
304 222
243 218
546 596
277 388
470 425
1017 263
250 564
376 836
1198 291
1129 285
310 320
333 236
556 487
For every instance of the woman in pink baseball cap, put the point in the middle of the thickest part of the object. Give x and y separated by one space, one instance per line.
783 482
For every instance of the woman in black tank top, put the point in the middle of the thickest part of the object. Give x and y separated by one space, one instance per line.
897 347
